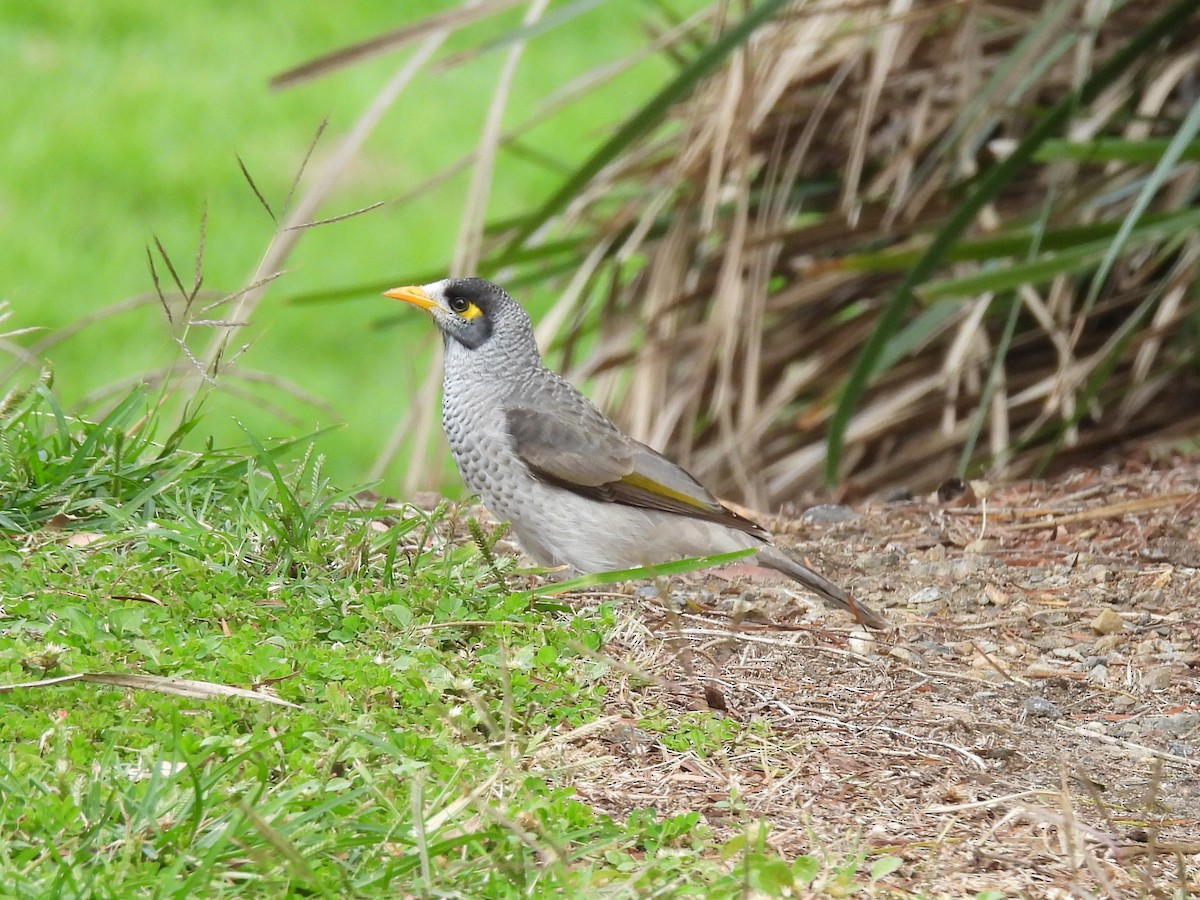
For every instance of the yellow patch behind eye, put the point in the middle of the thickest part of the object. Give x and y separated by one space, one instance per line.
471 312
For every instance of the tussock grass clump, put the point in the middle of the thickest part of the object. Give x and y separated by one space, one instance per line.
959 237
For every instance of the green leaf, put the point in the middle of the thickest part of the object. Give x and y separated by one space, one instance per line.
769 875
805 869
885 866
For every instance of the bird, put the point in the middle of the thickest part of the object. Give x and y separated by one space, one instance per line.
576 490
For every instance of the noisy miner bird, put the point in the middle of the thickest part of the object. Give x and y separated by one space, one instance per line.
576 490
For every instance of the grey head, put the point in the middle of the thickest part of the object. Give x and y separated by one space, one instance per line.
476 314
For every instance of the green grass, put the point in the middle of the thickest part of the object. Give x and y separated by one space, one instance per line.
426 686
126 119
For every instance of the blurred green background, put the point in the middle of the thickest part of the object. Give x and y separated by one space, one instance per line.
125 120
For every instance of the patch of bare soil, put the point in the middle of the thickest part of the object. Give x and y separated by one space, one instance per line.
1030 724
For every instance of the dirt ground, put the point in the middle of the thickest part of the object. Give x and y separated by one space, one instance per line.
1030 723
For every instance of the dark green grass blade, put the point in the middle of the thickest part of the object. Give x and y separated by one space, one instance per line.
1023 243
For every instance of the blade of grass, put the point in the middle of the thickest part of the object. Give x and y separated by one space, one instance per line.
179 687
1014 243
1170 158
1106 150
671 568
527 30
1049 265
464 15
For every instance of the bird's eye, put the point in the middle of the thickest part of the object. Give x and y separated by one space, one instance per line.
463 308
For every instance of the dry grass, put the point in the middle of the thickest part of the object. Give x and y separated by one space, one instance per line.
733 263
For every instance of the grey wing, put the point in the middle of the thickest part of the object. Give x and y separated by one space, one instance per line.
584 452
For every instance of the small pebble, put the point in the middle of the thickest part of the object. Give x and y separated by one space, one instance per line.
1147 647
1041 708
1045 670
1176 723
862 643
1158 678
1097 675
1150 597
1108 622
965 566
929 594
828 514
647 590
995 596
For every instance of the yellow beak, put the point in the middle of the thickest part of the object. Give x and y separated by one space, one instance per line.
414 295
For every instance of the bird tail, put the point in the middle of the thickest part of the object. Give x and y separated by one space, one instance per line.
833 595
